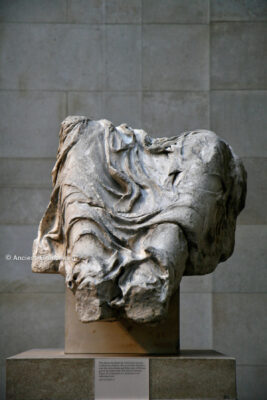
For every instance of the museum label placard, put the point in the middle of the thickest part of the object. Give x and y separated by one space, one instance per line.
122 378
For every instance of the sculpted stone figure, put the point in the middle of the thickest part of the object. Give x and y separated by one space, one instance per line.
130 215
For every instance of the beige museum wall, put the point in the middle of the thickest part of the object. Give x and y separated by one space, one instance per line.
167 66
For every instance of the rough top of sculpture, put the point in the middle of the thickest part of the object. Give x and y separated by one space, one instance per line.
130 215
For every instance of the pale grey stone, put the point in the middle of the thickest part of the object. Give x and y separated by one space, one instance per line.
240 117
86 103
255 210
199 377
238 10
16 275
50 378
116 106
22 205
238 54
184 111
121 11
123 57
30 321
75 54
123 106
239 326
246 270
21 172
129 215
196 321
17 239
196 284
86 11
21 134
175 57
176 11
251 382
33 11
194 375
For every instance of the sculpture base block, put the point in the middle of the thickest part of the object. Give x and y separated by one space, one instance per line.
121 336
51 374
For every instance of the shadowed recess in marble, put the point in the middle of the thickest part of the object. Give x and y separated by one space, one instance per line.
130 215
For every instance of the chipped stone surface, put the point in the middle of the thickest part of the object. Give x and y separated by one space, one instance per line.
130 215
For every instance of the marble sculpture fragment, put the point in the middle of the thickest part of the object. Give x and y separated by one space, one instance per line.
129 215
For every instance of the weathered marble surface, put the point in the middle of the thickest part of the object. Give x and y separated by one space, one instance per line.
130 215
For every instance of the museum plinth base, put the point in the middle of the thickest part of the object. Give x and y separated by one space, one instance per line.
121 336
54 375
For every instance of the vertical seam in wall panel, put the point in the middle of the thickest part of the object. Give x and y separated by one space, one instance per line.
209 122
104 12
209 65
66 103
67 11
212 341
142 92
105 61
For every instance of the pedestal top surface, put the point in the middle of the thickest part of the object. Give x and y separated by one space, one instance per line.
59 353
